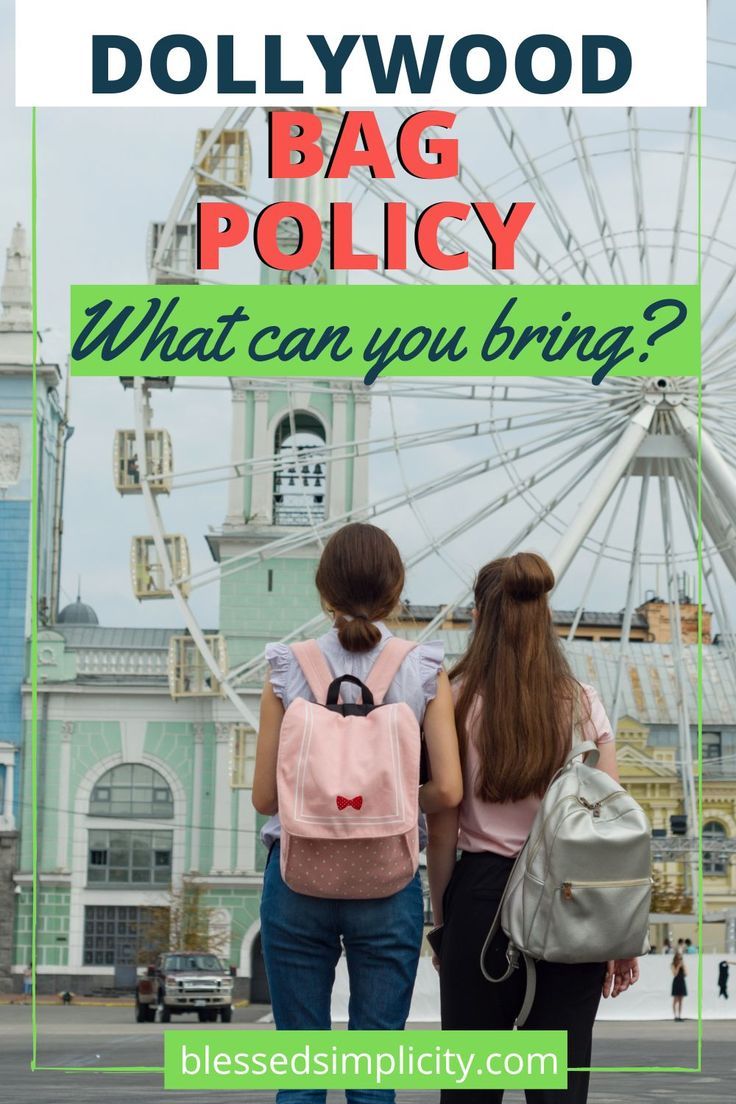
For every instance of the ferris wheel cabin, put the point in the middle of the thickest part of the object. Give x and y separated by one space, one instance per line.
158 463
189 674
223 160
176 261
150 577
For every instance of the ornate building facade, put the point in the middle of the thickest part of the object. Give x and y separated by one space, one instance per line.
16 522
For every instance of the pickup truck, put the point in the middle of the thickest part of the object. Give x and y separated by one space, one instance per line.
185 981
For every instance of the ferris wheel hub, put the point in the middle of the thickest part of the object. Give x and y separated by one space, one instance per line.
663 390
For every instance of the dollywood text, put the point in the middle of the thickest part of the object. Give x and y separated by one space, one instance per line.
295 151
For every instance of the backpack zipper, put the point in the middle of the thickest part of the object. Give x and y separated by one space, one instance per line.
595 806
567 887
581 801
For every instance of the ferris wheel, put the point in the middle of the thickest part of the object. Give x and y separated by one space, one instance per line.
604 480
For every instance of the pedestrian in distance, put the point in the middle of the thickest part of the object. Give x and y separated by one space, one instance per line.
324 713
516 704
723 972
679 986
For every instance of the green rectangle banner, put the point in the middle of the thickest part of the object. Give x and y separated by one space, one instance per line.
363 331
316 1060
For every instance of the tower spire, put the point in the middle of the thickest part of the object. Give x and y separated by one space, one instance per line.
15 293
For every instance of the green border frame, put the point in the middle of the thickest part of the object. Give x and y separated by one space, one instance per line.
34 666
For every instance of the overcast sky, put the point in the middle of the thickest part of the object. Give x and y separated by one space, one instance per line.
104 175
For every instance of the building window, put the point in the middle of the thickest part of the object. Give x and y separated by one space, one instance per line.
712 752
299 479
132 790
123 858
242 757
714 861
121 935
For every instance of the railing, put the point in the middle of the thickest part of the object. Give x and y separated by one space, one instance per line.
101 661
674 848
297 515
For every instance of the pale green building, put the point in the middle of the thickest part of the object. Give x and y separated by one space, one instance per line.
140 790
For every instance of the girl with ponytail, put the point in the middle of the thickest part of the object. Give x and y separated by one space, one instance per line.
360 578
516 702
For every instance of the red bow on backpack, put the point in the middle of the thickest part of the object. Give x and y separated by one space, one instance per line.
343 802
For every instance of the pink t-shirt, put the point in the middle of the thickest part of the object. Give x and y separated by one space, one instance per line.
503 827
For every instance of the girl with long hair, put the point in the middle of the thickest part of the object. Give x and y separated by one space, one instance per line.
359 579
517 704
679 985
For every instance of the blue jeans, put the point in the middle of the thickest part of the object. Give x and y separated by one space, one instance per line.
302 940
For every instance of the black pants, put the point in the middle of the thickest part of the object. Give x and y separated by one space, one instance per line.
566 998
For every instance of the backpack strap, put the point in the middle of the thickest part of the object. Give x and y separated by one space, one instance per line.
586 748
513 955
315 669
384 670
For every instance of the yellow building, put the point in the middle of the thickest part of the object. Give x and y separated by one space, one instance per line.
651 775
650 689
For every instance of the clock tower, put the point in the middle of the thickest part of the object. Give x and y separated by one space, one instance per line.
296 463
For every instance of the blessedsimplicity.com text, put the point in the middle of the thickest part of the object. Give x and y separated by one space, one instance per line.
438 1063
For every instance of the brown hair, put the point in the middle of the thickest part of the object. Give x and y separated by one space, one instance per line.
517 691
360 574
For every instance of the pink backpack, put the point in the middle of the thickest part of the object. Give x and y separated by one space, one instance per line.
348 783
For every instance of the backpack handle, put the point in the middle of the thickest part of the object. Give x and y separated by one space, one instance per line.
333 692
587 748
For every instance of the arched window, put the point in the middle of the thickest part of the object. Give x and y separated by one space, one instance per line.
300 477
132 790
714 861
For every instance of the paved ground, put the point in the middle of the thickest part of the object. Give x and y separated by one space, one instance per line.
93 1036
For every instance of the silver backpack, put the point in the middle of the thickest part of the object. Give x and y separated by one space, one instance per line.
580 889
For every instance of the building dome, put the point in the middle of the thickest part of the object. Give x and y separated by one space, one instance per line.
78 613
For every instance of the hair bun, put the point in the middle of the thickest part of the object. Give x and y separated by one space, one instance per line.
526 577
357 634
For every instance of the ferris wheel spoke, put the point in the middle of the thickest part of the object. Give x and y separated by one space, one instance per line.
413 505
710 573
715 469
682 192
686 766
630 598
593 193
598 560
619 460
728 194
465 594
721 529
637 180
711 348
365 447
294 541
547 201
726 444
470 521
246 672
721 296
